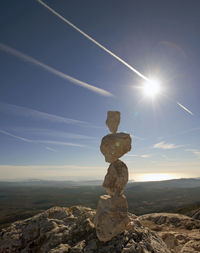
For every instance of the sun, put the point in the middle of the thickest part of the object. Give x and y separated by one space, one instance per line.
151 88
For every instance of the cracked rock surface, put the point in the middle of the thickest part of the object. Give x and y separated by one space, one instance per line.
71 230
180 233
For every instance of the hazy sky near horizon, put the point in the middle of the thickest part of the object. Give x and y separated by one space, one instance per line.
56 87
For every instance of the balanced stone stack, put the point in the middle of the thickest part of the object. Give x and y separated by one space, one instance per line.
112 210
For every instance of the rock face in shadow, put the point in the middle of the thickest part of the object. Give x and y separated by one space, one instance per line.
180 233
71 230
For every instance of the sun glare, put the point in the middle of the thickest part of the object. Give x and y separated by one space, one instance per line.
151 88
155 177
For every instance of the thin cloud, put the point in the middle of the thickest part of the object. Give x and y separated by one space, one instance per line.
14 136
145 156
140 156
164 145
61 143
137 137
191 130
38 115
165 157
53 133
51 149
27 58
194 151
131 155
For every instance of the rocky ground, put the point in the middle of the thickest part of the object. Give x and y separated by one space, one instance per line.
196 214
71 230
62 230
180 233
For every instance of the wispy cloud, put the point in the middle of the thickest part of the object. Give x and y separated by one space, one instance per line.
53 142
145 156
164 145
194 151
38 115
52 133
187 131
27 58
51 149
140 156
15 136
132 155
137 137
60 143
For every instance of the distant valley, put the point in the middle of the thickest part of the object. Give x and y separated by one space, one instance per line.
20 200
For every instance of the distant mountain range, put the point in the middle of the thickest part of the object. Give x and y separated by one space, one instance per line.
174 183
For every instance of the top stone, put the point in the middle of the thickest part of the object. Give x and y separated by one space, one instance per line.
113 120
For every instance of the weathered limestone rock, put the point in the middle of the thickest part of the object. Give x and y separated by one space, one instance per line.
113 119
180 233
113 146
196 215
116 178
111 217
66 231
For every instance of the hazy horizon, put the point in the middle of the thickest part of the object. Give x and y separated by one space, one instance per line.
142 178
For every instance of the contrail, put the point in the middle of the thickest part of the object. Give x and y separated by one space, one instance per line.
18 54
15 136
184 108
93 40
102 47
179 104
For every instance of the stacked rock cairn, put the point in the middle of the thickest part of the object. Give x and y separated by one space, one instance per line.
112 210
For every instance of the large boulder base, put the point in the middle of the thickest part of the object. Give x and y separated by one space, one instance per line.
64 230
111 217
116 178
113 146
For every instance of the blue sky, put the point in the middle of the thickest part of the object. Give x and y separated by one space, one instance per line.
51 126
